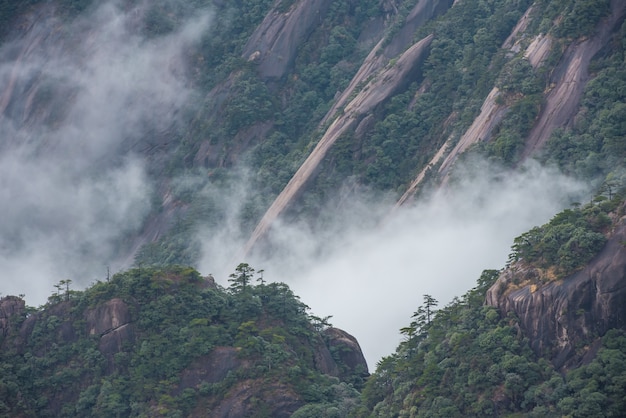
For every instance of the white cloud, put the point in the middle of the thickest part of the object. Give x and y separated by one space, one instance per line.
371 278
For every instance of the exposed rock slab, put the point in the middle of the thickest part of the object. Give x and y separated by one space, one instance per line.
560 316
211 368
569 79
112 322
242 401
348 349
107 317
275 42
383 86
383 52
11 307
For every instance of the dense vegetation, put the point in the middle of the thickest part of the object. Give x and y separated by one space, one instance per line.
53 364
468 361
570 239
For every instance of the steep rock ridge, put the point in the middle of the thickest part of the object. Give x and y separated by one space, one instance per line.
110 321
275 42
562 316
538 50
242 401
569 79
492 110
11 307
561 102
381 84
518 30
410 191
211 368
379 89
348 350
384 51
107 317
491 113
272 47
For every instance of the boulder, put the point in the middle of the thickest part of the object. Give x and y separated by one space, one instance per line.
347 351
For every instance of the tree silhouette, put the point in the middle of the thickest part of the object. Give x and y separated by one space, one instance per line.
241 278
422 318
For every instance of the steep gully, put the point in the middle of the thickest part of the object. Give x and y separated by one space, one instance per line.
561 102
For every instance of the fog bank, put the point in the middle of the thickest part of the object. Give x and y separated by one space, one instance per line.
371 276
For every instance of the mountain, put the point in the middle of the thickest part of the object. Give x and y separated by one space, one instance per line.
170 342
567 303
289 107
138 136
543 337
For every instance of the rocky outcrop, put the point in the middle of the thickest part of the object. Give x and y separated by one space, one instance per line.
324 361
249 397
570 78
561 318
107 317
377 91
11 308
381 82
211 368
112 322
491 114
274 44
348 351
561 102
385 50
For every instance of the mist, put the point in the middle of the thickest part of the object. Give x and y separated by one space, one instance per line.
86 101
83 102
369 269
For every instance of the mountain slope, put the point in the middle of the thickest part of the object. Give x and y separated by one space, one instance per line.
164 133
169 342
384 94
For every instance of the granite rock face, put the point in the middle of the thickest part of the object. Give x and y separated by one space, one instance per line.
563 317
274 44
112 322
10 308
347 349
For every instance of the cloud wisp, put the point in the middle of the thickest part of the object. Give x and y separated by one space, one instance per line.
85 101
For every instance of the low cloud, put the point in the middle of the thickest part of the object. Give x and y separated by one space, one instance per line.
370 271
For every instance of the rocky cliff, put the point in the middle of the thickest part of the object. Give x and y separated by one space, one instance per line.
276 40
563 319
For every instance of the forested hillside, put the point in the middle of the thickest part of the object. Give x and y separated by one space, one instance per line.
138 137
172 343
539 346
